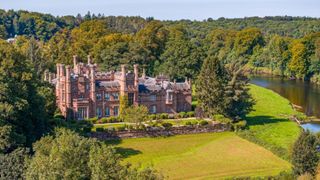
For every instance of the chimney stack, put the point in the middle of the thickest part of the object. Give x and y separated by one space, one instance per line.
144 73
136 75
75 61
89 59
93 89
123 81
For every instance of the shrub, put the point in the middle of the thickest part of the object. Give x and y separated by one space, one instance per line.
164 116
104 120
166 125
152 116
182 114
203 123
190 114
239 125
99 129
221 118
120 128
58 116
129 127
93 120
188 123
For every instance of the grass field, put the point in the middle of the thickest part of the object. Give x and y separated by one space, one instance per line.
269 124
198 156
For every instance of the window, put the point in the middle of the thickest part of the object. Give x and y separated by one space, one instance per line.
107 112
153 109
116 110
116 96
130 98
87 87
107 96
82 113
98 95
169 96
153 98
99 112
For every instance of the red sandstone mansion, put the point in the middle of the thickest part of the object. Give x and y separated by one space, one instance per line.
83 92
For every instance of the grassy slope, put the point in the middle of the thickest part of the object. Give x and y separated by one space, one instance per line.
214 155
269 124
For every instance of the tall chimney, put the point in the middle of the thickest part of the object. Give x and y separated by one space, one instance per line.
89 59
144 73
46 75
68 93
58 85
62 70
75 64
136 75
75 60
123 81
93 90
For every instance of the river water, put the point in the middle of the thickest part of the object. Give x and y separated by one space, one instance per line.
301 93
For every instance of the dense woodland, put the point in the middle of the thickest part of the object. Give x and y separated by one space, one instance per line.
286 46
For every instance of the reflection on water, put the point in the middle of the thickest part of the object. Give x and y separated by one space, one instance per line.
304 94
313 127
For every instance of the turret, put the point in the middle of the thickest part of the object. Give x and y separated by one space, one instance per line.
123 80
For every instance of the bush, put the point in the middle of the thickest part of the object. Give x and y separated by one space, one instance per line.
166 125
129 127
58 116
182 114
153 116
92 120
120 128
164 116
203 123
99 129
221 118
188 123
190 114
191 123
239 125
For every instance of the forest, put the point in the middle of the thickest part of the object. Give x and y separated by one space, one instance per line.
32 43
286 46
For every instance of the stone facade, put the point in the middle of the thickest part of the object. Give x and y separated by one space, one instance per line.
84 92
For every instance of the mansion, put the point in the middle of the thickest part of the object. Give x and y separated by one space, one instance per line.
84 92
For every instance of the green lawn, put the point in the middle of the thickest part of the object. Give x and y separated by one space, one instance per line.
215 155
269 124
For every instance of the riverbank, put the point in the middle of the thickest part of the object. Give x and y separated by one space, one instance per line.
269 123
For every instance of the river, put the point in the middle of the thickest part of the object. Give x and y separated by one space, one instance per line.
301 93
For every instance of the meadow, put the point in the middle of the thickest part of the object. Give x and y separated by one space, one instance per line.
269 124
227 154
215 155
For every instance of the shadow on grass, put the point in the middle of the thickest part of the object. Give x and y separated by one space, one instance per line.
127 152
261 120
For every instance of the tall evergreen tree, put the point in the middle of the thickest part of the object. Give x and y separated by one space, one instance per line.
210 86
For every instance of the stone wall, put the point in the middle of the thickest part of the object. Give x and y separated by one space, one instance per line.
157 132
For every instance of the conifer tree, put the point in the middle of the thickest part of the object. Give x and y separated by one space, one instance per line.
210 86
